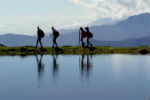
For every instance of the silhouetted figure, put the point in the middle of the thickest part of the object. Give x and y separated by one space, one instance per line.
85 67
55 66
82 63
82 35
55 35
40 35
89 36
40 66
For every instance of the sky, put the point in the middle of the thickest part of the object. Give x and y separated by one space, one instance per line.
23 16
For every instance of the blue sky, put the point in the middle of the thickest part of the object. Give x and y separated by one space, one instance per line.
22 16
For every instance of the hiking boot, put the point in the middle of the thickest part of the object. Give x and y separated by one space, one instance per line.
91 45
41 48
56 46
83 44
87 46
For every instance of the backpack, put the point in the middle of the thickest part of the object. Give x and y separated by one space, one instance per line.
56 34
41 33
90 35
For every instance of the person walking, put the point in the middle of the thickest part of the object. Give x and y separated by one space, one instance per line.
82 35
54 35
40 35
89 36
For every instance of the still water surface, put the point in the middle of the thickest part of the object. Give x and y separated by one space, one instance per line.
75 77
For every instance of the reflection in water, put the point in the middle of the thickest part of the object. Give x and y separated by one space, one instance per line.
55 66
97 73
40 68
85 67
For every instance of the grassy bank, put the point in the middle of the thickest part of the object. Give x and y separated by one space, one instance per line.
72 50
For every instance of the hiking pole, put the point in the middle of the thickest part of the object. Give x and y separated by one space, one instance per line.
79 37
51 36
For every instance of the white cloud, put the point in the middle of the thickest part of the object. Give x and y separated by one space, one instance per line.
115 9
91 10
72 25
2 26
75 1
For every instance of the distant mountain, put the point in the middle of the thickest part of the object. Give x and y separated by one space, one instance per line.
1 45
144 41
133 27
104 21
23 40
133 31
16 40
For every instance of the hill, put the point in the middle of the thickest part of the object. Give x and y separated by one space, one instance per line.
133 27
132 32
23 40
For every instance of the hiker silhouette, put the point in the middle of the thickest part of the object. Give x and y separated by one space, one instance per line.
54 36
40 35
85 66
89 36
82 35
55 66
40 67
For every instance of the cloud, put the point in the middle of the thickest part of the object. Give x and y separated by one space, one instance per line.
2 26
116 9
72 25
75 1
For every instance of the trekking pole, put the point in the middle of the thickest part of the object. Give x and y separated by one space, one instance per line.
51 36
79 37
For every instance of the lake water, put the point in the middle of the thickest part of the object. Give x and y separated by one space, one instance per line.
75 77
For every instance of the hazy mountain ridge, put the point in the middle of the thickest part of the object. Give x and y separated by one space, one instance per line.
23 40
104 21
133 27
133 31
144 41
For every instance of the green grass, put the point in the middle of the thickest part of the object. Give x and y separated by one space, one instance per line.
73 50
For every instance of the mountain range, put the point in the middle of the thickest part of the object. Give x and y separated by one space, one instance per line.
131 32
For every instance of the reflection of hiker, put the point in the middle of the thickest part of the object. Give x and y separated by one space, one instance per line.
82 63
55 66
55 35
40 35
82 35
85 66
40 66
89 36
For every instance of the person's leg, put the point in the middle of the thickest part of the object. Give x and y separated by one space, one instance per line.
36 43
90 42
56 42
87 41
82 42
53 42
40 43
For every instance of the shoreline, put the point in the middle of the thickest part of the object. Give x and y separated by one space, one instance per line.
72 50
